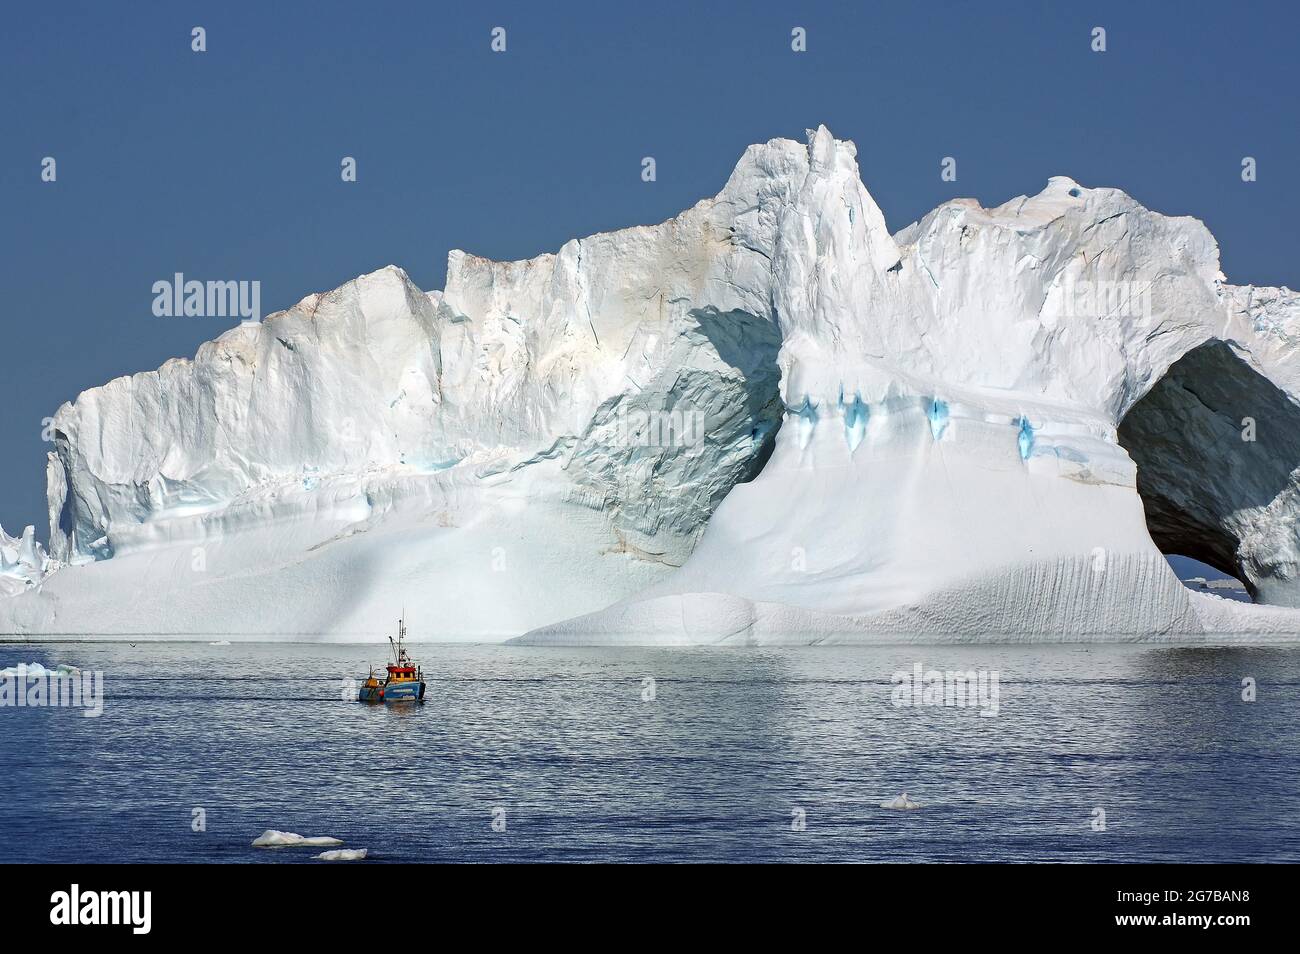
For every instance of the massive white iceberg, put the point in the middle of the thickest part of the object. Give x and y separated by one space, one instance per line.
986 426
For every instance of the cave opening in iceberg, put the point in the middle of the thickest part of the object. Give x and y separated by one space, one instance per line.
1217 447
1204 578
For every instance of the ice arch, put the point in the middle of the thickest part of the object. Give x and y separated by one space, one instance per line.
1217 448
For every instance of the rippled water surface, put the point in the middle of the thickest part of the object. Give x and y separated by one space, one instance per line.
561 744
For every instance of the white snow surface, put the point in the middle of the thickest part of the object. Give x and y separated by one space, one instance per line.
948 463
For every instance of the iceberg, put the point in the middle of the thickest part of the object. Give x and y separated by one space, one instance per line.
343 854
902 802
32 670
271 838
766 420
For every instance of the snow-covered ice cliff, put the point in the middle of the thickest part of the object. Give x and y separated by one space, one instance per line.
973 428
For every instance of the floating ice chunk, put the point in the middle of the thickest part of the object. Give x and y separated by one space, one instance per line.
220 642
343 854
938 415
31 670
287 839
901 802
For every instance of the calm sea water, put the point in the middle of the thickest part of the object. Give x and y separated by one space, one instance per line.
561 744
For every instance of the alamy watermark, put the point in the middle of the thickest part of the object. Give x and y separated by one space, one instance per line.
77 906
641 427
36 687
1106 299
968 688
177 298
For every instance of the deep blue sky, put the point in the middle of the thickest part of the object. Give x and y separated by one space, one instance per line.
225 165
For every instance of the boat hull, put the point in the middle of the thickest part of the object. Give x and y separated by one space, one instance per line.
397 692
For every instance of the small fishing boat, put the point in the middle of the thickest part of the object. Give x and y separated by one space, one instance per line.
404 681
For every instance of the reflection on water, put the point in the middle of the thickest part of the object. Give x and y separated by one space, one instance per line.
734 747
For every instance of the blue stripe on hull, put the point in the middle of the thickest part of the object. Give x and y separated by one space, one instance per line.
403 692
399 692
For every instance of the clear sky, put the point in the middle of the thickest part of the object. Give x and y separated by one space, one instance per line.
226 164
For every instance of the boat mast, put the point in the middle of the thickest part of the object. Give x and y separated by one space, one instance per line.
398 649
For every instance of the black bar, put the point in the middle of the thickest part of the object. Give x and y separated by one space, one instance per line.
341 905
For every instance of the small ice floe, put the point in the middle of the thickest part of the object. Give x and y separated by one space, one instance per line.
36 671
23 669
288 839
220 642
343 854
902 801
